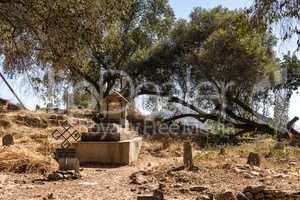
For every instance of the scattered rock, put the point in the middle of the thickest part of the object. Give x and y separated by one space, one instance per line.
138 178
226 196
178 185
203 197
254 173
50 196
20 182
198 188
184 190
238 170
7 140
280 175
241 196
64 175
254 189
253 159
158 194
248 176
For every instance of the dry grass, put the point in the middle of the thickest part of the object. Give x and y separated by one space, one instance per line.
18 159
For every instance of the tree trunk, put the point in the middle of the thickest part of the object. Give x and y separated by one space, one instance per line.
188 155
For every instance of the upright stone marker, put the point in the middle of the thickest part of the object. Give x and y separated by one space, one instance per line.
188 155
7 140
253 159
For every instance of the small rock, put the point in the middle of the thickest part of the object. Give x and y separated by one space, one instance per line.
198 188
226 196
248 176
21 182
281 176
255 168
249 195
241 196
7 140
29 187
203 197
254 173
50 196
238 170
184 190
178 185
138 178
254 189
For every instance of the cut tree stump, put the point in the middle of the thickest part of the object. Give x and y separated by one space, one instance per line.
188 155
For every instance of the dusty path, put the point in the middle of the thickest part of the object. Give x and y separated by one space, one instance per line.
99 183
96 183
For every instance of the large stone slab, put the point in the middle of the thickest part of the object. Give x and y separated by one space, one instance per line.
111 153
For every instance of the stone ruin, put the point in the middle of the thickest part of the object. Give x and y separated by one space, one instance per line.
111 141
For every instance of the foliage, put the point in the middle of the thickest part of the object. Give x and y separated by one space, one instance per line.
285 12
80 38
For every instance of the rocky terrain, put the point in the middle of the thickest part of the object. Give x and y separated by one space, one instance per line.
25 166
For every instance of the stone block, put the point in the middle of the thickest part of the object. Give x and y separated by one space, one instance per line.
113 153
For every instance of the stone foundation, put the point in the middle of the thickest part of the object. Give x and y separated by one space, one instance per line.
111 153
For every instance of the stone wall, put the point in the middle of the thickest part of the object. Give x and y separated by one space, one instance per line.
258 193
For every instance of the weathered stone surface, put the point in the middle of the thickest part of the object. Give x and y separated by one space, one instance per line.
138 178
118 153
241 196
253 159
63 175
158 194
226 196
198 188
255 189
69 164
7 140
203 197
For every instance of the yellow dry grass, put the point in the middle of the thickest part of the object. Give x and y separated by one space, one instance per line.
18 159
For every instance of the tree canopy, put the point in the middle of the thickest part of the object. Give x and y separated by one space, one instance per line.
285 12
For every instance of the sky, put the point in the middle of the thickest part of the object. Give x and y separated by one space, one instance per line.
182 9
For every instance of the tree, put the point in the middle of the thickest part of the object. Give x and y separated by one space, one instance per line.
228 56
81 38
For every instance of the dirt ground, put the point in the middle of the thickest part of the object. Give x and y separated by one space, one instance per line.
157 165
